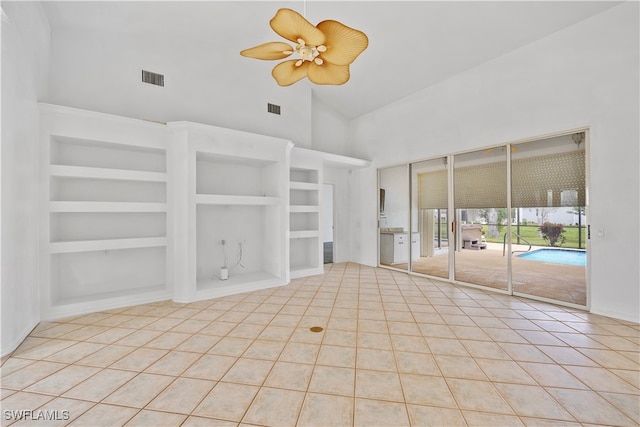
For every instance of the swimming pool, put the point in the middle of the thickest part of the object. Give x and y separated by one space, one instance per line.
557 256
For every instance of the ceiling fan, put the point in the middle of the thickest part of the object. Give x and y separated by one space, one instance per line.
325 51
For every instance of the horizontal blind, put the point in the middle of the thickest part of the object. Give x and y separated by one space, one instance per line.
536 182
432 190
481 186
540 181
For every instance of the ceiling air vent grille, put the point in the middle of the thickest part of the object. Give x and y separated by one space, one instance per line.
152 78
272 108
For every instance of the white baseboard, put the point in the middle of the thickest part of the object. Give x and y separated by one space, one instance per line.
12 346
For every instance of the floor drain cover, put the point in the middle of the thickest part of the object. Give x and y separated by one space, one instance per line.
315 329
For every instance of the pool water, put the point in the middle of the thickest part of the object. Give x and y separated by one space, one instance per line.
557 256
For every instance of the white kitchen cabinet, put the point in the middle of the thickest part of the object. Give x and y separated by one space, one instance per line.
394 247
415 246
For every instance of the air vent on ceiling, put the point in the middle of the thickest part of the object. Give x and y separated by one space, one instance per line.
272 108
152 78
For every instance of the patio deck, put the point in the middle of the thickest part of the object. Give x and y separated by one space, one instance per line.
488 267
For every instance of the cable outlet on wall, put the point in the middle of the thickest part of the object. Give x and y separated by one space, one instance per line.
224 273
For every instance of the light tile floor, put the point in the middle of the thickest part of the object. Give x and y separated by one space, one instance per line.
395 350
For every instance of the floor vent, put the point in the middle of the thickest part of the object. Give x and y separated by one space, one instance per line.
152 78
272 108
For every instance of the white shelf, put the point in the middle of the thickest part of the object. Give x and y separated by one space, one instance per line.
110 148
105 173
216 199
305 270
107 300
236 279
212 288
303 208
296 185
160 288
304 175
299 155
58 206
226 175
107 244
304 234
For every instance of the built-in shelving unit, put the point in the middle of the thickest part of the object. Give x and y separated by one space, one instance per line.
105 185
231 188
309 169
137 211
305 186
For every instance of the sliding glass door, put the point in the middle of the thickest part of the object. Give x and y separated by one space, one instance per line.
548 193
512 218
481 217
430 217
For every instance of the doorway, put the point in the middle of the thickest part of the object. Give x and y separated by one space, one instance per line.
327 223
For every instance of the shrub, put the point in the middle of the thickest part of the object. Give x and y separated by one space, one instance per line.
552 233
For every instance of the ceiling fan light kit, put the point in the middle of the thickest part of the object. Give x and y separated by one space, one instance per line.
325 51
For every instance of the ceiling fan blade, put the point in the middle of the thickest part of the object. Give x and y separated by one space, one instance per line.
343 43
328 73
271 50
293 26
287 73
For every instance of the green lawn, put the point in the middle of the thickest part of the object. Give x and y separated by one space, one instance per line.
530 233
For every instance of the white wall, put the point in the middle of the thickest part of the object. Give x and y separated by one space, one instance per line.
101 71
396 200
329 129
585 75
25 57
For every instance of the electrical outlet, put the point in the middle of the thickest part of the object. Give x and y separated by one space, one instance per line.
600 233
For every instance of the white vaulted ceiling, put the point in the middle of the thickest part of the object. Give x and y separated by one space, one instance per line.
412 45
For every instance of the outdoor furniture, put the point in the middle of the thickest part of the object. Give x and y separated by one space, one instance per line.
472 237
